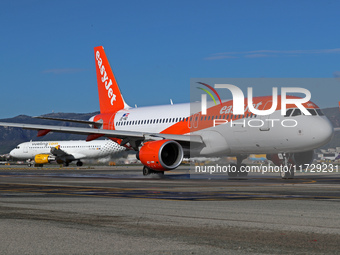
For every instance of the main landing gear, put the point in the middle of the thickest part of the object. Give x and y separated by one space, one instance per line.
287 171
238 169
148 171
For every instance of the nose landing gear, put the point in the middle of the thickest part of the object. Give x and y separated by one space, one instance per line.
238 169
287 171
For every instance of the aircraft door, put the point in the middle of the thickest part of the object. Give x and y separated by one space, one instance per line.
265 123
193 121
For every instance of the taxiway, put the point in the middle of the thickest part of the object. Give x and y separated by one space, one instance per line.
101 210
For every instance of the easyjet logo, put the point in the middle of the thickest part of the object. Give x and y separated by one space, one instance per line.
105 79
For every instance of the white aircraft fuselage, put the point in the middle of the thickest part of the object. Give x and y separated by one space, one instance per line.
66 151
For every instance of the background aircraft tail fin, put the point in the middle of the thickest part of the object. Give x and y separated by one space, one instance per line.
110 97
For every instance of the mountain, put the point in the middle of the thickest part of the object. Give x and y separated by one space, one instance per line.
11 137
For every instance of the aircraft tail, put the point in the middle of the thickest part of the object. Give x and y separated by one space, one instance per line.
110 98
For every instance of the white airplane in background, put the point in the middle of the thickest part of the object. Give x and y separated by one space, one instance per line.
64 152
330 156
163 135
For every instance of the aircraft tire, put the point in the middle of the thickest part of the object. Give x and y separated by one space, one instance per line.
243 173
159 173
233 173
287 174
146 171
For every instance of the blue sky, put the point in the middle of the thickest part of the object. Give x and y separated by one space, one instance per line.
155 47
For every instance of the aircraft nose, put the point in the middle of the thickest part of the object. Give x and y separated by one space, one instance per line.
324 131
12 153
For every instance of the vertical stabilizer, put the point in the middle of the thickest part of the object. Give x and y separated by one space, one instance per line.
110 98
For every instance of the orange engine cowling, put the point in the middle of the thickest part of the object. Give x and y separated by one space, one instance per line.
43 158
161 155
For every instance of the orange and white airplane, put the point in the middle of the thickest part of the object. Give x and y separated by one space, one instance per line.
164 134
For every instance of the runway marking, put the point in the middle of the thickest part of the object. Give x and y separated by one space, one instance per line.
56 190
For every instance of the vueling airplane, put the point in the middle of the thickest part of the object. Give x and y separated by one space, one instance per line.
64 152
163 135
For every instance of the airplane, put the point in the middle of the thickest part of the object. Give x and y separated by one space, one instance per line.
329 156
163 135
64 152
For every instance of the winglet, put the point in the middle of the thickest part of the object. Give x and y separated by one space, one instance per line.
110 98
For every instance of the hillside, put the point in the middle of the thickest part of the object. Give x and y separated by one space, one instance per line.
11 137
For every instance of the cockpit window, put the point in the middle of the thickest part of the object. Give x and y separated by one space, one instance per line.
296 112
319 112
312 111
288 112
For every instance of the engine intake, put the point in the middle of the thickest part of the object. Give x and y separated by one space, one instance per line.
302 158
161 155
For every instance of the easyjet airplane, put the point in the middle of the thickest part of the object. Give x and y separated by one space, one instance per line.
64 152
162 135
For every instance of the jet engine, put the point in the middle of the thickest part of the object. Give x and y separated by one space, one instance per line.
299 159
161 155
43 158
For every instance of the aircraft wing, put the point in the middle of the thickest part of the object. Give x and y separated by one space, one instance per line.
93 133
66 120
96 124
56 151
